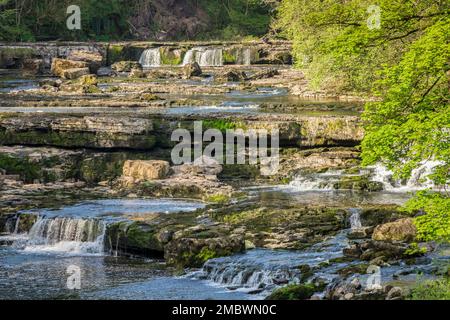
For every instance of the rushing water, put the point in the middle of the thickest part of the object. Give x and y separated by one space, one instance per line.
205 57
417 181
150 58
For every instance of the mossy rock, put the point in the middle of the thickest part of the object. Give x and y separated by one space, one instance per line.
172 56
293 292
13 57
353 269
358 183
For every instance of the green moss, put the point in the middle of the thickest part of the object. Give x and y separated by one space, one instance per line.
358 183
28 171
222 124
115 54
218 198
168 56
353 269
293 292
229 57
8 54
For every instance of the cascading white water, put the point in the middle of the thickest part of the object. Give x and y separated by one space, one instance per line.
205 57
315 182
150 58
235 274
71 235
244 56
247 57
417 181
355 218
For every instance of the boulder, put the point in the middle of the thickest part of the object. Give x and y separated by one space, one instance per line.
106 72
193 252
50 82
192 70
75 73
126 66
33 66
232 75
136 73
203 165
59 66
146 169
88 80
264 74
400 230
93 59
360 233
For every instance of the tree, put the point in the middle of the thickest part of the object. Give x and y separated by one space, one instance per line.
405 64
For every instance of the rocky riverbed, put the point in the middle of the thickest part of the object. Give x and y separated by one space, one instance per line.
87 179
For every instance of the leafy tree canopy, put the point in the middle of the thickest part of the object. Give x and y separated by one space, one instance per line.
404 62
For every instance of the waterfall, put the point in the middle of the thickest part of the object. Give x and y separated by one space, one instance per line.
355 218
12 225
243 275
150 58
315 182
247 59
72 235
417 181
244 56
205 57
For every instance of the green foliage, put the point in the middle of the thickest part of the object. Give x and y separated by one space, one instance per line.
337 49
431 290
218 198
105 20
435 224
237 18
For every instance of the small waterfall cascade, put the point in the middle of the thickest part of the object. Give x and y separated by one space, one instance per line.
315 182
72 235
12 225
250 276
262 270
244 56
417 181
355 218
150 58
205 57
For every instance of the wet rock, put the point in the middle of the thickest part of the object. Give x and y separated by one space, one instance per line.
74 73
293 292
136 73
93 59
106 72
358 183
146 170
396 293
400 230
232 76
264 74
354 251
193 252
201 166
192 70
59 66
33 66
50 82
76 131
88 80
360 233
126 66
